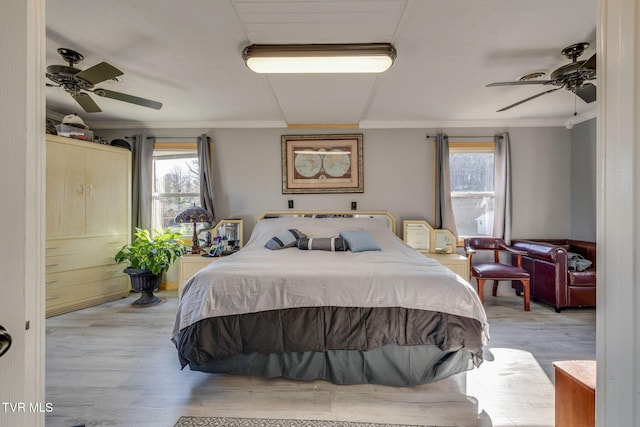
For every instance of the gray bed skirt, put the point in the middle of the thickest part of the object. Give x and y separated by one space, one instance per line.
394 365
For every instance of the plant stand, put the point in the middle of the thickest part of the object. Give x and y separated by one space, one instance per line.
146 283
147 299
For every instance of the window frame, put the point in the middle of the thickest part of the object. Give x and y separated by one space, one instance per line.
190 151
471 147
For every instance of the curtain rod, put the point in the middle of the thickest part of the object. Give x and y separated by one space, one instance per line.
467 136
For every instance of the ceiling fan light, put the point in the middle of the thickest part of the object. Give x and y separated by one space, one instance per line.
320 58
533 75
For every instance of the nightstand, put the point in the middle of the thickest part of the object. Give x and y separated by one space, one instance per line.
459 264
438 244
188 265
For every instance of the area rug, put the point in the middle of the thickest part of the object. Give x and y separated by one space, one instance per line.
264 422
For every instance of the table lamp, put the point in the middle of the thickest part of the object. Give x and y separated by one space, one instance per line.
194 214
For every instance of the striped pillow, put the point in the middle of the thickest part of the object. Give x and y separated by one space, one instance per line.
334 244
286 239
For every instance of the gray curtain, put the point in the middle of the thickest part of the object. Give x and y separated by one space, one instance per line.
444 210
206 174
502 203
142 181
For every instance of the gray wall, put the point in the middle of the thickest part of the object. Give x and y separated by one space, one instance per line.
583 181
398 174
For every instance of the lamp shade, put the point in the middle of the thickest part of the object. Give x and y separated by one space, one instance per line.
320 58
194 214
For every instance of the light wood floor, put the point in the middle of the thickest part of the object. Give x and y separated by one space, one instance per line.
113 365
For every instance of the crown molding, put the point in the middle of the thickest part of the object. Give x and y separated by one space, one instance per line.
444 124
187 125
365 124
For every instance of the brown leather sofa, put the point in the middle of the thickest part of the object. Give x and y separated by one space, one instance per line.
551 280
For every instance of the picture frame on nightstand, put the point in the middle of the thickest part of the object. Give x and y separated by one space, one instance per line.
421 236
439 244
444 242
417 234
231 230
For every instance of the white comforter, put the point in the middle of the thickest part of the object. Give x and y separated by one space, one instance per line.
258 279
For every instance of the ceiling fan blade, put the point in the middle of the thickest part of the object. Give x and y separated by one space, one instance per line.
589 63
128 98
99 73
529 99
587 92
86 102
520 83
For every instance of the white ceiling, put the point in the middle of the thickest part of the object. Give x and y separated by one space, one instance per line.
187 55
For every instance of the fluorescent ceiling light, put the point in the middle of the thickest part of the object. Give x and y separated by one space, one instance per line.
320 58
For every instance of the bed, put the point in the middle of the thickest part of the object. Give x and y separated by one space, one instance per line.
390 316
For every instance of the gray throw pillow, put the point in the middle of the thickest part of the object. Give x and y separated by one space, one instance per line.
287 239
359 240
334 244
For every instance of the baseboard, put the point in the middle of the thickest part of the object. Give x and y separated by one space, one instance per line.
169 286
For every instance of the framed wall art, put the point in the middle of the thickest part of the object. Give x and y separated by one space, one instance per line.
322 164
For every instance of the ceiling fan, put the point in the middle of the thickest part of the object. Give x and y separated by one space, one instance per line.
78 82
573 77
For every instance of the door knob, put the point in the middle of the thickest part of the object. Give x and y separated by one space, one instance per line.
5 341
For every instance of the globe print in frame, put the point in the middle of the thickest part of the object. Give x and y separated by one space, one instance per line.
322 163
336 163
307 164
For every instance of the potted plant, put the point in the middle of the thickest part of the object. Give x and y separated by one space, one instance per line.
148 256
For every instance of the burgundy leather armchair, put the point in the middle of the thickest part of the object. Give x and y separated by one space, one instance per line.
496 271
551 280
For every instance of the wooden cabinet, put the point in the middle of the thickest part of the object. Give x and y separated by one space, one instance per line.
438 244
88 219
575 393
188 265
87 188
459 264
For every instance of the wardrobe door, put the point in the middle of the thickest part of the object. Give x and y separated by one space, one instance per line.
65 201
108 192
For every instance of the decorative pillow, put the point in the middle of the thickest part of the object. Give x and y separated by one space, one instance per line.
286 239
359 240
334 244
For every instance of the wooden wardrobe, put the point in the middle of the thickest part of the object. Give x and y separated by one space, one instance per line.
88 218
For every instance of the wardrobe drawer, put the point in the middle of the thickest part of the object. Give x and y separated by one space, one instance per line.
58 263
69 278
54 264
110 271
55 297
85 244
117 285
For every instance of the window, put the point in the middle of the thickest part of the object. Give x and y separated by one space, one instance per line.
176 185
471 167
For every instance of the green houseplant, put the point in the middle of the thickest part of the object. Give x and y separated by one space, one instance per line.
149 255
